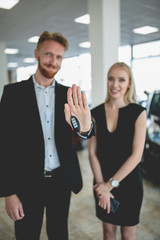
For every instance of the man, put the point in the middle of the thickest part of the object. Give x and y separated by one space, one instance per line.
38 163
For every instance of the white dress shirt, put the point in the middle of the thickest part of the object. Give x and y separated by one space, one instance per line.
46 104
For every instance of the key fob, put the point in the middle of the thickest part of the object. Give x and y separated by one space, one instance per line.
75 123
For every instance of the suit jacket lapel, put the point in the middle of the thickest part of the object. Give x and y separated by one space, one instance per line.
60 122
33 107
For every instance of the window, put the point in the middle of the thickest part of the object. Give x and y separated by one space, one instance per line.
155 105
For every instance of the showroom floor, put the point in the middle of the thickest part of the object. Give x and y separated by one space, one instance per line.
83 225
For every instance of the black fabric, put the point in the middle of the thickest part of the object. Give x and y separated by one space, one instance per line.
22 151
22 143
56 207
112 151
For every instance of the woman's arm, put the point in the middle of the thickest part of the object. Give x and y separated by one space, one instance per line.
94 162
134 158
104 201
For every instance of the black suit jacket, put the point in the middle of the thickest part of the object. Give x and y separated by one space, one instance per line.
22 142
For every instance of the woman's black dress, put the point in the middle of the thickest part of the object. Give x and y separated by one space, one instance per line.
112 151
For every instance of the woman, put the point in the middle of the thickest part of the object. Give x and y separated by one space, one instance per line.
115 153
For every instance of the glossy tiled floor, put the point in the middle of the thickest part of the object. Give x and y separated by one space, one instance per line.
83 225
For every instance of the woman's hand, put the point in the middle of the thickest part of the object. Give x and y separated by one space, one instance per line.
103 193
102 188
78 106
104 201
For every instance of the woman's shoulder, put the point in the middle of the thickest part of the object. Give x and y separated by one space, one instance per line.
136 109
97 110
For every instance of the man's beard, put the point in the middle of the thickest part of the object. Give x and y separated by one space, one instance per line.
44 72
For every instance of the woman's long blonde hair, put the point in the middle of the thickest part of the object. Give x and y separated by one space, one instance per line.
130 95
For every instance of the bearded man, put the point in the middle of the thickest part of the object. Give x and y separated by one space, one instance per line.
38 164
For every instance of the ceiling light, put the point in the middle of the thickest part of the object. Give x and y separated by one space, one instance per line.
85 19
85 44
12 64
145 30
8 4
29 60
33 39
11 50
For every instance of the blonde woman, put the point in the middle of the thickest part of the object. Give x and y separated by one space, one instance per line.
115 153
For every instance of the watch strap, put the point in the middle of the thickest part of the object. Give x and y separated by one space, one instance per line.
84 135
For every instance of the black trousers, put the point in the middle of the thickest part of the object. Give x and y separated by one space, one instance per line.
55 199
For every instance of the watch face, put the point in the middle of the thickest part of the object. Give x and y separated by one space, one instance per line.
115 183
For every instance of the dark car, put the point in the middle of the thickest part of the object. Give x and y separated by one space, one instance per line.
151 155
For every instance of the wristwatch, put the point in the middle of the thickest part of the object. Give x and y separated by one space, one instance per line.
113 182
84 135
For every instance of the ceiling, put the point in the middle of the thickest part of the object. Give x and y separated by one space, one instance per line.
30 18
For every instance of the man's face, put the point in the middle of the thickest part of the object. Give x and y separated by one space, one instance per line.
49 57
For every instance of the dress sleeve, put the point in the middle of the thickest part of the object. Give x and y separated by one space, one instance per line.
136 110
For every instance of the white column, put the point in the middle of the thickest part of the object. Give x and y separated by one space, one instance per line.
3 67
104 35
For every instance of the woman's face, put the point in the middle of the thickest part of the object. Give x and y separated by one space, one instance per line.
118 83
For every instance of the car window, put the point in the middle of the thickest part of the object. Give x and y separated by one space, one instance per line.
155 105
154 133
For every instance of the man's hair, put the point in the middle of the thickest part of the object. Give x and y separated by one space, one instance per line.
57 37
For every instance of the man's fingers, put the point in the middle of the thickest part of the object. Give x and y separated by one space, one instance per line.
21 212
75 97
66 108
69 97
67 113
84 100
79 94
15 215
79 98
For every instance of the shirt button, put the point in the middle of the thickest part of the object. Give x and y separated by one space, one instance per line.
47 121
46 105
48 138
50 155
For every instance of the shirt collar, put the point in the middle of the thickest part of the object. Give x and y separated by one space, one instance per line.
42 87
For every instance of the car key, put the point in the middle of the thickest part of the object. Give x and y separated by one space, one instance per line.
75 123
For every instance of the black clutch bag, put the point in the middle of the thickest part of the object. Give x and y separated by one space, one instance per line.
114 205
